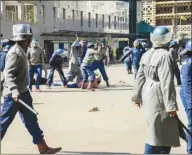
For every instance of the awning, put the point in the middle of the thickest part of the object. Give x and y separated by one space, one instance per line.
143 27
89 34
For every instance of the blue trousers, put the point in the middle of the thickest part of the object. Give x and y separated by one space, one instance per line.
189 138
128 65
87 72
32 70
51 74
8 111
136 67
157 149
177 74
101 66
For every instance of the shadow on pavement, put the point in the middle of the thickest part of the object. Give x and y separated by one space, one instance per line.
94 153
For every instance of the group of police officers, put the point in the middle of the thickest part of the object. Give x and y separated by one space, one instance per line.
154 82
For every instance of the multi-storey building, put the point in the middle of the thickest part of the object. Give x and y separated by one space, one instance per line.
175 14
59 21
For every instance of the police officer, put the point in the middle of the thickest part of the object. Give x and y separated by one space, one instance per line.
99 58
35 56
155 90
173 51
56 64
128 61
186 88
15 88
74 64
136 52
3 56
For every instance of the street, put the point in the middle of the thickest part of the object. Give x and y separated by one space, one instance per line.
118 127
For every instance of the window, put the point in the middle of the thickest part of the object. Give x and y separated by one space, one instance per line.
115 22
54 12
73 14
103 21
81 18
64 14
43 10
12 12
118 22
96 17
29 13
89 18
109 22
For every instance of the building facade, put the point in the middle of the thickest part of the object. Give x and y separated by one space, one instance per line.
175 14
50 19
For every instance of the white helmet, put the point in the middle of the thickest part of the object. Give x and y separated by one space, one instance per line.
21 32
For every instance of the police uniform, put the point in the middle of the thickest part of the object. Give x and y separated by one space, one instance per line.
15 86
186 89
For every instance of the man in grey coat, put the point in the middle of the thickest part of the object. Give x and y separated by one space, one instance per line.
15 88
156 91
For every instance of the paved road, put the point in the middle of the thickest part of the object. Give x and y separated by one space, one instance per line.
119 126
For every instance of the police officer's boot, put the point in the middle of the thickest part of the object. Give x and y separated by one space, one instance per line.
107 83
83 85
90 87
45 149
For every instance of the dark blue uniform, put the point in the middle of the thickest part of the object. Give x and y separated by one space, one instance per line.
186 94
136 57
56 64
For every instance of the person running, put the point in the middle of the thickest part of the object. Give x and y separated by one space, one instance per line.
15 88
155 90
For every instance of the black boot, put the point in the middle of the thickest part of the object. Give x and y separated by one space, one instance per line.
107 83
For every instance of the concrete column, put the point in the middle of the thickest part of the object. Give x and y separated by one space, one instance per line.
37 15
3 10
21 11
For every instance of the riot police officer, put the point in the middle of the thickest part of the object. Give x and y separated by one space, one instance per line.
155 90
15 88
186 88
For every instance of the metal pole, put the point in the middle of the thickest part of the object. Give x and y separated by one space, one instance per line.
28 107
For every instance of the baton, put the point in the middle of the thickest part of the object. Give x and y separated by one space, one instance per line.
76 36
186 129
28 107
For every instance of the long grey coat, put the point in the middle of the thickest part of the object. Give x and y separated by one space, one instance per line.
156 91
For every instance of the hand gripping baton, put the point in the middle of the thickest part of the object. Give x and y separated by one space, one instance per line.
28 107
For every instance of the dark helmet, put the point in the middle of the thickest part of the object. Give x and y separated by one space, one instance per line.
90 44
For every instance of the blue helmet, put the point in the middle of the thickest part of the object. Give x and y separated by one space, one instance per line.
172 43
7 48
34 43
90 44
136 43
78 44
161 36
188 46
59 51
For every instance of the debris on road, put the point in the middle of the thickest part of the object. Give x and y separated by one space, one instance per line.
94 109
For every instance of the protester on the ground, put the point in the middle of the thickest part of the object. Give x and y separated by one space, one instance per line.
155 90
